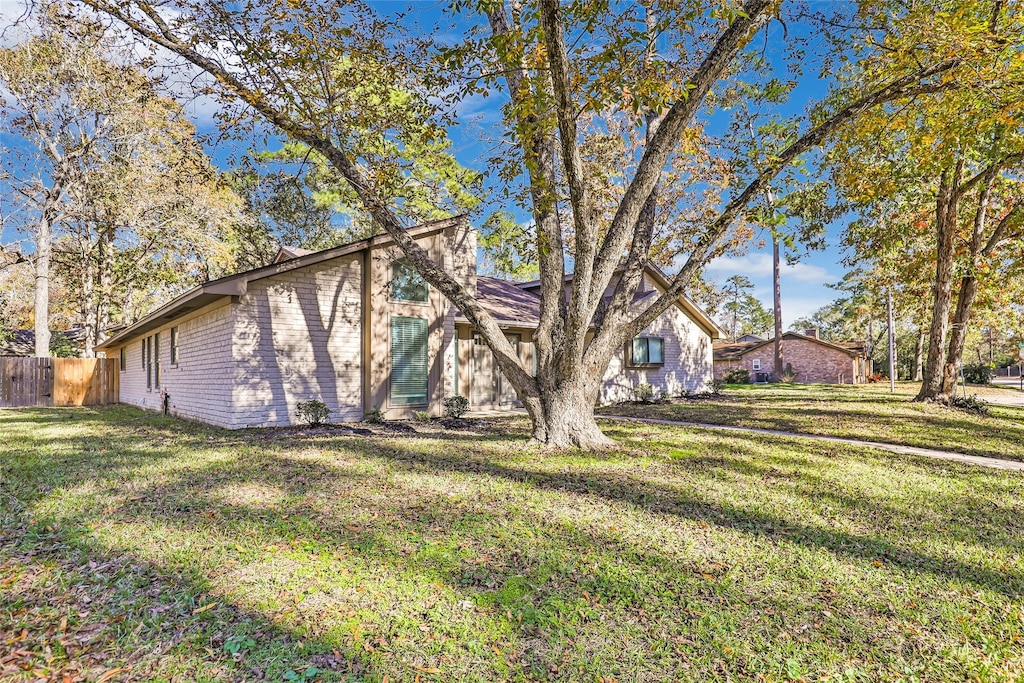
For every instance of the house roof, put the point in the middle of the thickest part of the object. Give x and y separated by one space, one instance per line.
285 253
23 342
506 301
695 312
237 285
736 350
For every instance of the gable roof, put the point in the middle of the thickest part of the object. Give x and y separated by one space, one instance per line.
695 312
286 253
736 350
237 284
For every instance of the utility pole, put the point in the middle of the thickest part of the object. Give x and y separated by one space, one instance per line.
892 343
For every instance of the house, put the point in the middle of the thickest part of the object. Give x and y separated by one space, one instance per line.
356 327
23 342
814 360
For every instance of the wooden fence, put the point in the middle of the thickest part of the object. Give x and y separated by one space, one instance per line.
58 381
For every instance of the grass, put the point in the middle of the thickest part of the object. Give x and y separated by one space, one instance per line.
867 412
139 547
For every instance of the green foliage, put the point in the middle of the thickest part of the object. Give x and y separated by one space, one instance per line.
314 413
421 415
716 386
737 376
61 346
509 247
643 392
374 416
977 373
456 406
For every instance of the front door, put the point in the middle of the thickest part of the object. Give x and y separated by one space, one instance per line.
489 386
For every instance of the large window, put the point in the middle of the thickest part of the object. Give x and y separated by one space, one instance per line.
407 284
147 360
408 361
123 364
647 351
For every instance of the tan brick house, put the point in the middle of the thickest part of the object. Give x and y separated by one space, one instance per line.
355 327
815 360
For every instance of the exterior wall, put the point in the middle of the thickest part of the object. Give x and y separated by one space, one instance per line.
814 363
687 367
199 385
437 311
298 336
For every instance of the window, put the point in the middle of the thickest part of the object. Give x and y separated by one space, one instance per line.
156 360
174 346
147 344
407 284
757 363
648 351
123 362
408 361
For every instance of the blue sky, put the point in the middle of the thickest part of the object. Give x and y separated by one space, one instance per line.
803 284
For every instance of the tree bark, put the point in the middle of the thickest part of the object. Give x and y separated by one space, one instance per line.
958 335
919 355
44 252
945 229
777 303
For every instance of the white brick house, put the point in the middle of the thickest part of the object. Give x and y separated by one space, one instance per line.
355 328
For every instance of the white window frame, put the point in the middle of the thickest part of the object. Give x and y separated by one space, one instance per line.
756 363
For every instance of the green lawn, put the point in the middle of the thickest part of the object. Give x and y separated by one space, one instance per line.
138 547
866 412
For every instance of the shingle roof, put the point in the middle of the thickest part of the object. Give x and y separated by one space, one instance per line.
506 301
736 350
23 342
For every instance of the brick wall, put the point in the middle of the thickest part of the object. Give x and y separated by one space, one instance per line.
687 367
297 336
199 385
814 363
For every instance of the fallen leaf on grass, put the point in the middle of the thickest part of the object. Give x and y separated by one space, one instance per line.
200 610
108 674
427 669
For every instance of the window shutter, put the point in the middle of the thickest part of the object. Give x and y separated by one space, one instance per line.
408 361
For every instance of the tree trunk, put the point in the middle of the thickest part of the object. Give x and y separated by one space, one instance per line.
569 418
88 304
958 336
44 245
919 355
945 227
777 303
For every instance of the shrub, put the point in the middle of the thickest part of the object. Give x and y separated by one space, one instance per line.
977 373
644 393
737 376
716 385
970 404
421 415
788 375
375 416
312 412
875 378
456 406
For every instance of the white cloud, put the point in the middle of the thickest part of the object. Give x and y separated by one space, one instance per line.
760 265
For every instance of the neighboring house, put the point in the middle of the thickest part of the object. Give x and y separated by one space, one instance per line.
814 360
23 342
357 328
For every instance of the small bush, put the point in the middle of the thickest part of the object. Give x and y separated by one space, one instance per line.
875 378
970 404
644 393
314 413
737 376
456 406
421 415
715 386
978 373
788 375
375 416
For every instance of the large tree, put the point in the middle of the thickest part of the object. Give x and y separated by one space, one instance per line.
950 164
296 66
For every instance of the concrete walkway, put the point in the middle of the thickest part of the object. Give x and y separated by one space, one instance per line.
982 461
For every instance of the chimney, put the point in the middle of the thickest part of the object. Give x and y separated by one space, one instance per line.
812 333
